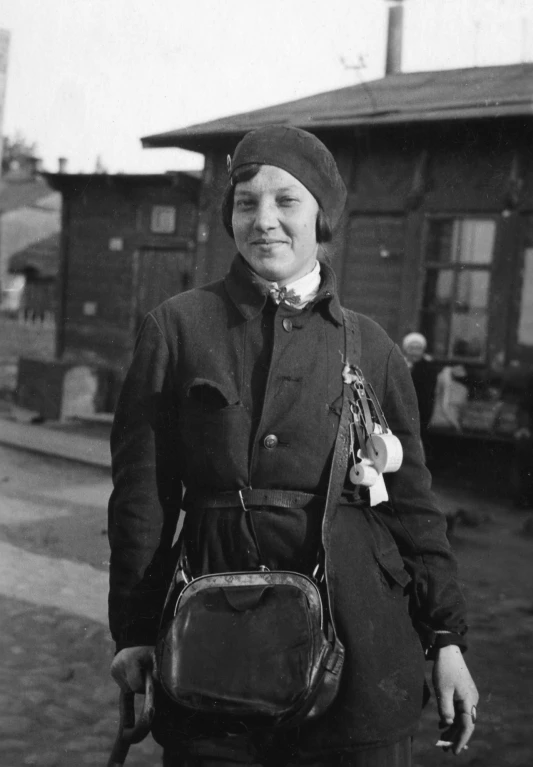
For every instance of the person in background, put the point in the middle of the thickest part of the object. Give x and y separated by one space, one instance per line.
424 378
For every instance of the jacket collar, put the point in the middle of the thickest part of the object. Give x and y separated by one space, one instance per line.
249 292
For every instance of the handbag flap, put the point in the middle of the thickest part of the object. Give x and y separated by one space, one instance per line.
242 598
253 580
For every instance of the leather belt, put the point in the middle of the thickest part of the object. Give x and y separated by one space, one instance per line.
248 497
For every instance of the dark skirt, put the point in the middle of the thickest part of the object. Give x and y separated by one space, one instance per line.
236 752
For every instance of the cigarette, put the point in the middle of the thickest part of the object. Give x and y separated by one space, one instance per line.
447 744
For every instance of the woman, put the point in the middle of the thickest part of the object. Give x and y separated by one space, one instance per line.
423 374
237 385
424 377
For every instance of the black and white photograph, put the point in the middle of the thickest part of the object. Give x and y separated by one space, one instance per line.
266 383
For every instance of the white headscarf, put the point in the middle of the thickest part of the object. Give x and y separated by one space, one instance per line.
414 338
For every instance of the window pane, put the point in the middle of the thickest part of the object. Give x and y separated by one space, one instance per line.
472 290
439 244
456 294
463 240
437 304
163 219
474 241
443 287
440 335
525 322
468 336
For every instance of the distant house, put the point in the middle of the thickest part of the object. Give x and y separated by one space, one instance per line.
37 266
29 214
127 243
438 230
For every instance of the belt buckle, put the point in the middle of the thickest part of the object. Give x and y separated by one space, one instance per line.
241 499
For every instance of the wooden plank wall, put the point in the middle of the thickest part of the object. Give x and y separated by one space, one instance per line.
99 319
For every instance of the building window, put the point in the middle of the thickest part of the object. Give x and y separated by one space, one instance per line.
458 260
163 219
525 318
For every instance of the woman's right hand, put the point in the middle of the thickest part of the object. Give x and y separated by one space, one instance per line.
130 665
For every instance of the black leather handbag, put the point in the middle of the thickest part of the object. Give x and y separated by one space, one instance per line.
258 647
250 646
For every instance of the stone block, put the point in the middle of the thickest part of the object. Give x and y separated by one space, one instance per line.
57 390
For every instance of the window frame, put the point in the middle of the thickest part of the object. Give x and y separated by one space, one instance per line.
518 352
159 207
458 267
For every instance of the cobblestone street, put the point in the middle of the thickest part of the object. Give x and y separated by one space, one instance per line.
58 705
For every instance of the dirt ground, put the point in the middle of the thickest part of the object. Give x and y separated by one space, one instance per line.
495 556
68 705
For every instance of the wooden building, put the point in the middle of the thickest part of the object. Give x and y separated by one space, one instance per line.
127 243
438 230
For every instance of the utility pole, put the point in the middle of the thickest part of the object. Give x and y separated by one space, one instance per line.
4 53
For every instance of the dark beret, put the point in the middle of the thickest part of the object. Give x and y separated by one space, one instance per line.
302 155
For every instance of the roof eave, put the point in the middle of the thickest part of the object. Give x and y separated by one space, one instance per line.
62 182
196 138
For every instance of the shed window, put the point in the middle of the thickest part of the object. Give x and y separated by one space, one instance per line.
458 260
163 219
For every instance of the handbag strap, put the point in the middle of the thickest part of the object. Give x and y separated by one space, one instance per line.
341 452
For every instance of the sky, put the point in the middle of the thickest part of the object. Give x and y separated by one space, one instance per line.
88 78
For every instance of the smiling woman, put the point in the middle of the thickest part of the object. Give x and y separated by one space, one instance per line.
239 393
274 225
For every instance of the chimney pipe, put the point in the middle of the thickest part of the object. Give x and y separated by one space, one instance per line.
393 62
62 164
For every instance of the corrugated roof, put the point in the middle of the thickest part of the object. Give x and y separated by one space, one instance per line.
41 257
479 92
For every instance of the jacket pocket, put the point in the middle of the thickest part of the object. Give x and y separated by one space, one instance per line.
386 553
206 395
213 426
392 569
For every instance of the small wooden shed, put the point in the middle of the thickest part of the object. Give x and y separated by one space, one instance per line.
127 243
438 230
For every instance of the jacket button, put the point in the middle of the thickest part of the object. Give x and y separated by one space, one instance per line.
270 441
287 324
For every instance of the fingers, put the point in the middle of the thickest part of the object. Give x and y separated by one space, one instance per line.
465 722
127 676
456 736
463 733
129 666
446 707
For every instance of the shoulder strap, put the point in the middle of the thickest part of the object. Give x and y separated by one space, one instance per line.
352 337
339 465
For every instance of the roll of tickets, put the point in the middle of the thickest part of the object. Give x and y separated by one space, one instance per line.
364 473
386 452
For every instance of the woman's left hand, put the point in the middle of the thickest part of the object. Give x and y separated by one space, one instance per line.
457 697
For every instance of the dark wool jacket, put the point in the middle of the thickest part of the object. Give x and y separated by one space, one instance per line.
217 370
